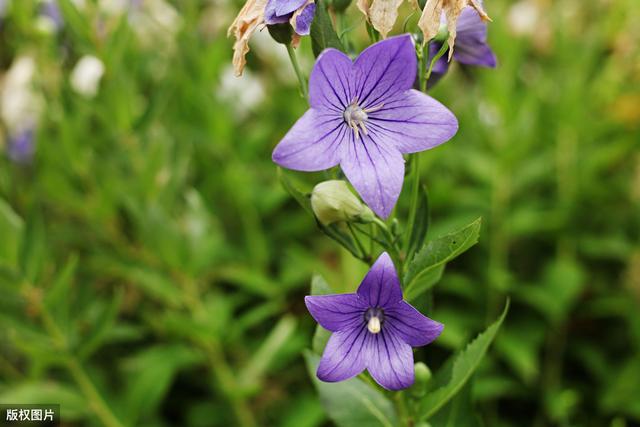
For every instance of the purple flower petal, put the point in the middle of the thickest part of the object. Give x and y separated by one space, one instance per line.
410 325
381 287
390 360
343 356
384 69
284 7
312 144
414 122
475 53
375 168
336 312
304 20
330 83
470 25
441 66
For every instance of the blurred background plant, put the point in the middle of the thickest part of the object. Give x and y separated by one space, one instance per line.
152 269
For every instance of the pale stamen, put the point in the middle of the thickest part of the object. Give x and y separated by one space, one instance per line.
356 116
374 325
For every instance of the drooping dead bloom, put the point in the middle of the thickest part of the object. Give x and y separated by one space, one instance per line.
430 20
250 17
383 14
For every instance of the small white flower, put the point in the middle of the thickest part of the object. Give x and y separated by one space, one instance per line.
523 18
242 94
20 104
86 76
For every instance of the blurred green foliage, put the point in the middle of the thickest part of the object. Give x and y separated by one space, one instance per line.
152 268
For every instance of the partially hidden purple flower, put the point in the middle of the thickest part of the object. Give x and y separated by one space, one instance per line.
373 329
49 9
364 115
281 11
21 146
471 46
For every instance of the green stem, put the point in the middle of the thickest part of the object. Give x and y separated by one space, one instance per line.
361 248
422 72
415 191
401 408
296 67
392 244
443 49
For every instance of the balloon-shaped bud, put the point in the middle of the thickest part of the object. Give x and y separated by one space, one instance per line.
423 376
332 201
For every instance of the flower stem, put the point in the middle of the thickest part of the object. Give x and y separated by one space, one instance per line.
296 67
361 248
415 191
422 61
442 51
392 245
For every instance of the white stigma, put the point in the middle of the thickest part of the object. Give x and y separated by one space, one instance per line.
374 325
356 117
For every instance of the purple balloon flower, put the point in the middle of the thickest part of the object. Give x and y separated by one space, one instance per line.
364 115
471 46
281 11
373 329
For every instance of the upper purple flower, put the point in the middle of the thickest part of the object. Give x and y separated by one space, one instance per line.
281 11
471 45
364 116
373 329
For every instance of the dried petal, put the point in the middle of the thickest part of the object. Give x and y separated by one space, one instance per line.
250 17
363 6
430 20
383 15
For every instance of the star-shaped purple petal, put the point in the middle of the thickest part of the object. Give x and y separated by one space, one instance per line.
364 115
373 329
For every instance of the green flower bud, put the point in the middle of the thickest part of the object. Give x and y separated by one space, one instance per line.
282 33
332 201
423 376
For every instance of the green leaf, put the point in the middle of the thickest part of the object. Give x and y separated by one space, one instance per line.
421 224
435 254
352 402
269 350
151 373
32 248
459 412
322 33
319 286
72 404
459 369
11 226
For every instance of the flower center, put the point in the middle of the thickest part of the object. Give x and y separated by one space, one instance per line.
356 117
374 318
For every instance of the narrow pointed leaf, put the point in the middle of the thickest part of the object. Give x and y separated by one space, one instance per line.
437 253
458 371
322 33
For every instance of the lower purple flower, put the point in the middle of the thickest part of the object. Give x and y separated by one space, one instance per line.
373 329
471 46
